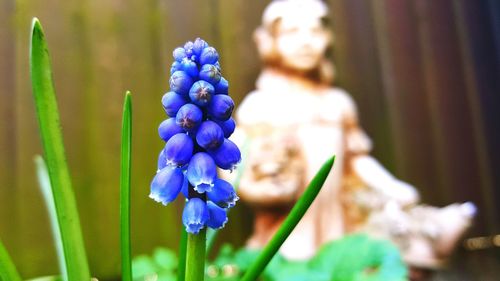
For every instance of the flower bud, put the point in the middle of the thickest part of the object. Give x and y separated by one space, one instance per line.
223 194
188 47
209 135
179 149
210 73
168 128
180 82
175 66
201 172
217 64
166 185
179 54
221 107
198 46
227 156
195 215
189 117
201 93
217 217
227 126
190 67
222 87
171 102
162 161
209 56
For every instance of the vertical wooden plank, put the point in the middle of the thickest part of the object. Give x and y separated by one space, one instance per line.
402 74
479 85
359 72
445 89
8 227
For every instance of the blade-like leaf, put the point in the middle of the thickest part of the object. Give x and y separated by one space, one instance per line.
8 271
48 119
125 169
290 222
48 196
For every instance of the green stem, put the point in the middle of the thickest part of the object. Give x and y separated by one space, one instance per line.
125 170
290 222
181 268
195 256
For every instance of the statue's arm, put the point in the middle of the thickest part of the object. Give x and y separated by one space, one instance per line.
367 168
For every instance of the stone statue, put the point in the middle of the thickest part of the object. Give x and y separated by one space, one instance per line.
292 123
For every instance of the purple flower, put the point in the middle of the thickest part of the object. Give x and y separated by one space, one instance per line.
209 56
171 102
168 128
179 149
209 135
195 215
221 107
201 93
162 161
227 156
166 185
198 46
227 126
189 117
201 172
196 138
179 54
189 67
180 82
210 73
223 194
175 66
222 87
217 216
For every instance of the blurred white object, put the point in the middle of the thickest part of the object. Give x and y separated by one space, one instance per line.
294 121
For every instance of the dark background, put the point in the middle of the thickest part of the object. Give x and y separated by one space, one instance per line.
424 73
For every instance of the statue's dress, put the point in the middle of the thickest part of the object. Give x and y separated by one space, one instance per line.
292 126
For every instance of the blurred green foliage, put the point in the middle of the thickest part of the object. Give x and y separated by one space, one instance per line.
352 258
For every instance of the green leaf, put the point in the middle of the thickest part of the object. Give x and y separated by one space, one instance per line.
290 222
125 170
359 257
46 278
165 259
50 131
8 271
48 197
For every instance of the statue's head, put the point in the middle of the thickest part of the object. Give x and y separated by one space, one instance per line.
294 35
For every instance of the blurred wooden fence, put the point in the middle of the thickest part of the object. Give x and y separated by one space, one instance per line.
425 75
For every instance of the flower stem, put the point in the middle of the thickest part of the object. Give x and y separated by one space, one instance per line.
195 256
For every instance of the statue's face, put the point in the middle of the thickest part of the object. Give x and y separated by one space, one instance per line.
301 42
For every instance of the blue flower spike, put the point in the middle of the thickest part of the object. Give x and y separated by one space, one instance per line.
196 137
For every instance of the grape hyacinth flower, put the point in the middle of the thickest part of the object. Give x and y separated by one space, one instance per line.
196 137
